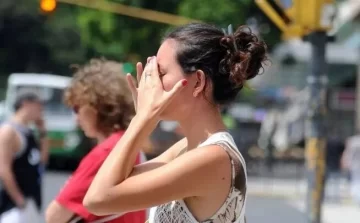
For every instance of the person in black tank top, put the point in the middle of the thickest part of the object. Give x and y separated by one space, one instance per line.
21 160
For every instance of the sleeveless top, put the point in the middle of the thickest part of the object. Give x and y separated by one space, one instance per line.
232 210
25 168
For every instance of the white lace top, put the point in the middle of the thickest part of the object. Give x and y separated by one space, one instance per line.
232 210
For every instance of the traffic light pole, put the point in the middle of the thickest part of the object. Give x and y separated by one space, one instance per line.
315 127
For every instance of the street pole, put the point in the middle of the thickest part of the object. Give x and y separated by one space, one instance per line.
315 127
357 109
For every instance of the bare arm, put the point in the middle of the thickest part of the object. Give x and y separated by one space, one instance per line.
44 150
8 148
346 156
44 142
162 159
186 176
56 213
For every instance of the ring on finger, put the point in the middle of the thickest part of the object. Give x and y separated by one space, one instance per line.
147 75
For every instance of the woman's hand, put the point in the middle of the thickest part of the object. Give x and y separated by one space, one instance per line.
133 83
152 99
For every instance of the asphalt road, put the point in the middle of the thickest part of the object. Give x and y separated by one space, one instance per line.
259 210
266 210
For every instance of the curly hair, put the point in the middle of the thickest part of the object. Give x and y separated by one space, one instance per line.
102 84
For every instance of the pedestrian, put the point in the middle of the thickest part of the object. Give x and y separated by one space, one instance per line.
103 104
350 161
22 159
198 68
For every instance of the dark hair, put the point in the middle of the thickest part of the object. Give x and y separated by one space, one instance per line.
102 84
26 97
228 60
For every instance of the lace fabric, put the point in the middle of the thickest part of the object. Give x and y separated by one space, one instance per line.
232 210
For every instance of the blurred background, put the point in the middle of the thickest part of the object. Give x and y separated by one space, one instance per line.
39 40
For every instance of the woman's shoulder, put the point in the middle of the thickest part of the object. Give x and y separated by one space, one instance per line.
220 137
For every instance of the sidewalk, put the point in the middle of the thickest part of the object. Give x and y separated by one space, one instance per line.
337 207
334 213
295 188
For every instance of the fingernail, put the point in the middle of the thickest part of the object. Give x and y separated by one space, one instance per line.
184 82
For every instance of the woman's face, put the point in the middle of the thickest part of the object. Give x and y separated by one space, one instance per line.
170 73
87 120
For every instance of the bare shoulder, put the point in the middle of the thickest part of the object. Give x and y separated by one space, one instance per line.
7 132
9 142
203 169
9 137
211 154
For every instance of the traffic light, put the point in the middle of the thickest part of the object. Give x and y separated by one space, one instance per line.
309 14
297 18
48 6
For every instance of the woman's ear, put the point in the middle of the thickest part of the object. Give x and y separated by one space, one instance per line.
200 83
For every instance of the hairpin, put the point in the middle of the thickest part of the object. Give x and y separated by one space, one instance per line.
229 32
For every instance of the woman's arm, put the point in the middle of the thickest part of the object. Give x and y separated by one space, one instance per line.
346 156
56 213
196 173
162 159
121 159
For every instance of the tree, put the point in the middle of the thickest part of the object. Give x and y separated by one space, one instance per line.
126 38
236 12
33 42
121 37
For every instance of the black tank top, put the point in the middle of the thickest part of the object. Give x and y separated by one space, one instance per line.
26 170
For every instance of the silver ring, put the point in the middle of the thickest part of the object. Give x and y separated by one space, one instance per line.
147 74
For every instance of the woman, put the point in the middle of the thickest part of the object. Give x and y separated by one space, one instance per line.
103 104
197 69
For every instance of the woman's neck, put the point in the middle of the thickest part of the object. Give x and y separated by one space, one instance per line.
200 125
101 137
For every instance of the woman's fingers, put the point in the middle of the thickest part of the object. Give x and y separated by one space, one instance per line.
131 82
154 68
148 60
178 87
139 71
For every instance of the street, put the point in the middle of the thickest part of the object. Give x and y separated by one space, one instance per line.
264 210
259 209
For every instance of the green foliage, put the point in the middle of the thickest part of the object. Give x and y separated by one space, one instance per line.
120 37
32 42
218 12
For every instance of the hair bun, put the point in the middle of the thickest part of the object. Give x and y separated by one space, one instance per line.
245 55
